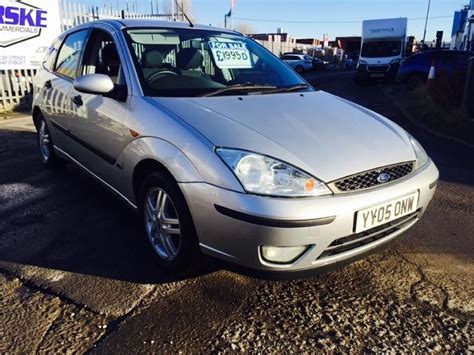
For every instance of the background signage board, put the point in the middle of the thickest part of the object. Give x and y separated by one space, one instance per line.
27 28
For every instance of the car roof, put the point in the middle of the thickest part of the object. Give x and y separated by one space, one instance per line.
444 51
120 24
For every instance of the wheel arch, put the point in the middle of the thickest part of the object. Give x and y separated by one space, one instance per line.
144 168
35 113
148 154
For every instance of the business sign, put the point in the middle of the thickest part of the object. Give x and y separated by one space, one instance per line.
384 28
27 28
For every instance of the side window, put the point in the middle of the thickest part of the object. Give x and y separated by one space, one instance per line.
102 56
70 53
51 53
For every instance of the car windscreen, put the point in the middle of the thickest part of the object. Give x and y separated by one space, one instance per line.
185 62
381 49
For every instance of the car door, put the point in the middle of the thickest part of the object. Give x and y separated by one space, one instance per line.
445 64
462 64
299 61
459 74
97 123
291 60
57 85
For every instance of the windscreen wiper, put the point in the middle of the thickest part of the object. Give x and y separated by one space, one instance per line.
296 87
240 87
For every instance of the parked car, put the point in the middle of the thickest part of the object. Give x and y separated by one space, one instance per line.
299 62
450 65
317 63
222 149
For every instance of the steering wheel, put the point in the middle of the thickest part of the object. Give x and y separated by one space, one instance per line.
156 75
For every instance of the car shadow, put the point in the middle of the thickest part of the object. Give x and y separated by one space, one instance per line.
64 220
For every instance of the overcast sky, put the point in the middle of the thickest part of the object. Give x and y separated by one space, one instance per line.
336 17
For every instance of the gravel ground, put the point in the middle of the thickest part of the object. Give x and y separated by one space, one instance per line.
34 321
360 314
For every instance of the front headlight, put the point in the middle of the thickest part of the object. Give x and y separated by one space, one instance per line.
266 176
362 62
421 156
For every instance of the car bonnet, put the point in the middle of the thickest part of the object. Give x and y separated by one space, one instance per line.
320 133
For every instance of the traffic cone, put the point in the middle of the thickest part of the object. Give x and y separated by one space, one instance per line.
430 83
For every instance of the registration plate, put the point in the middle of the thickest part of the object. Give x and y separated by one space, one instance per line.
385 212
377 75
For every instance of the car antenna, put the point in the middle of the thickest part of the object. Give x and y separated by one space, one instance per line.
184 13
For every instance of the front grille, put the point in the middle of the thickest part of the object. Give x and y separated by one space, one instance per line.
358 240
369 178
377 68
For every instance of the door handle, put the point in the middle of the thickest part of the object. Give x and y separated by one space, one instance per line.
48 84
77 100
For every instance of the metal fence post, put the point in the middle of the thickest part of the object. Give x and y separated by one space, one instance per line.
468 98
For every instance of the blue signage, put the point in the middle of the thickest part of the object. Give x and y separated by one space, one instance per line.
459 21
20 16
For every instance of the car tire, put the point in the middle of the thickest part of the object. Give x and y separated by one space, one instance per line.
168 224
46 146
299 69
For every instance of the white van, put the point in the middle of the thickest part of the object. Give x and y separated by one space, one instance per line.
383 48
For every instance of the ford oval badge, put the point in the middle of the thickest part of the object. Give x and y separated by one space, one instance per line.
383 177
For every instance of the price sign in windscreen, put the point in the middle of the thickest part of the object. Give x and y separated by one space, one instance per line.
230 55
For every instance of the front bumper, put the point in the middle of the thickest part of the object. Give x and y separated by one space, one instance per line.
233 226
371 72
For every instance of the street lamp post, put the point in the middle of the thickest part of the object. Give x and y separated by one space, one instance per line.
426 21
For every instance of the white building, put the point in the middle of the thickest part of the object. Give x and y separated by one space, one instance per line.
462 36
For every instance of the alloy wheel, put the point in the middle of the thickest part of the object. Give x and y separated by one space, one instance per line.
162 224
44 141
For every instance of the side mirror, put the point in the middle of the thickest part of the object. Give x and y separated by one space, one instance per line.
99 84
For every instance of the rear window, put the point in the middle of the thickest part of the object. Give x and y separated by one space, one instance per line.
51 53
69 54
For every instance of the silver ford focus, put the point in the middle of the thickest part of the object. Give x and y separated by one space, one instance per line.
224 150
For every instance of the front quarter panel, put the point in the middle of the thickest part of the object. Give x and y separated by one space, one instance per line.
170 141
160 151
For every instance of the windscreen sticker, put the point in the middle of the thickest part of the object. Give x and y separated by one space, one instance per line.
230 55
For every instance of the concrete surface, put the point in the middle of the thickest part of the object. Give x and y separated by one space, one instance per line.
76 275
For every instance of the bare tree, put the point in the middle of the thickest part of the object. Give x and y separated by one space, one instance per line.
186 5
244 28
188 8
